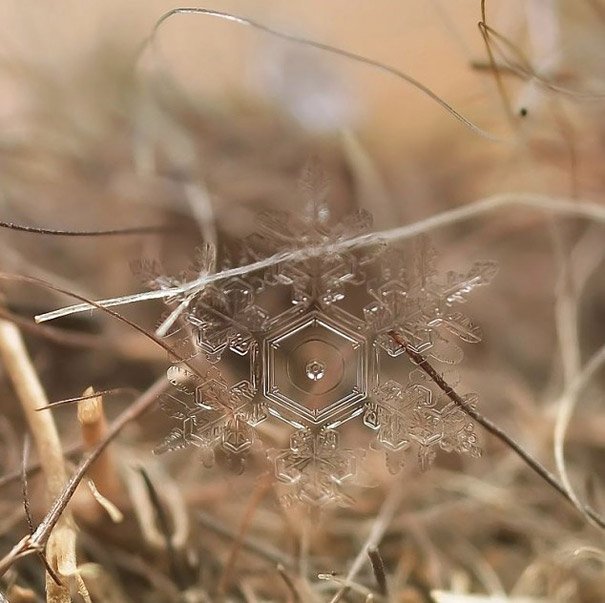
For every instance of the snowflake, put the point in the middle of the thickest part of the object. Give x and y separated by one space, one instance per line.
325 355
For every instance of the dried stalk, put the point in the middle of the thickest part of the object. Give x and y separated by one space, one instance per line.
379 527
61 543
563 206
93 425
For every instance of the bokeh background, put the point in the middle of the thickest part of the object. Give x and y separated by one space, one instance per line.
95 134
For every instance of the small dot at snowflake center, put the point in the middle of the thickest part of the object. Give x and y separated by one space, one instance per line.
315 370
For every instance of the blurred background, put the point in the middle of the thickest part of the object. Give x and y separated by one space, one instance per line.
212 123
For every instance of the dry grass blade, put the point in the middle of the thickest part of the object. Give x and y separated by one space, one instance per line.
176 567
60 544
497 77
378 569
105 488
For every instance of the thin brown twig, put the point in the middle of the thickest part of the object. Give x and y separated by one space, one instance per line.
502 69
379 526
32 280
28 512
165 528
252 506
24 488
565 207
492 61
256 547
15 476
134 230
492 428
351 56
94 394
524 69
294 596
27 508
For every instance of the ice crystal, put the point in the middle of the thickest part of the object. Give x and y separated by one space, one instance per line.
325 356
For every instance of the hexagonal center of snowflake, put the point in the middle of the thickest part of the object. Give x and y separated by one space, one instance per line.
315 370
